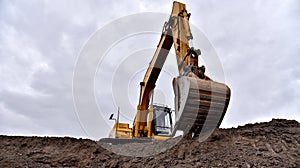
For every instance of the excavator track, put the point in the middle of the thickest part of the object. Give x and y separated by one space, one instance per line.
199 104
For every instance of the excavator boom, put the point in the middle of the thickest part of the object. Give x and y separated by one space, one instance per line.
200 103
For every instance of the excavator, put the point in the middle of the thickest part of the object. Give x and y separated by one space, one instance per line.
200 102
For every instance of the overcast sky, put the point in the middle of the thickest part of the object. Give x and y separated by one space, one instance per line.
257 42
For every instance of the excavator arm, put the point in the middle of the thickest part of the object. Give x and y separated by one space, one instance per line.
158 60
194 92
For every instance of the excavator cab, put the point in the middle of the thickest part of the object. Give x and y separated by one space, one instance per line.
162 120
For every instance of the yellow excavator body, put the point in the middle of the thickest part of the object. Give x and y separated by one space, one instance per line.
200 102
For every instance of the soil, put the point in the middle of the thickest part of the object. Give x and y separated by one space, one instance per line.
270 144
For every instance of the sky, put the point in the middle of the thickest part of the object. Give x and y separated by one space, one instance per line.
40 42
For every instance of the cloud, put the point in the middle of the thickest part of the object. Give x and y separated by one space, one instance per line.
40 41
256 43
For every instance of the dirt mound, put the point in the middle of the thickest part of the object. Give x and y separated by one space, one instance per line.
271 144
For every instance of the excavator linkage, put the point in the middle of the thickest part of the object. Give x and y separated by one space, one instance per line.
199 104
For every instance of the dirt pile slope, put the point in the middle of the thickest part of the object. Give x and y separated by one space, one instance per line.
272 144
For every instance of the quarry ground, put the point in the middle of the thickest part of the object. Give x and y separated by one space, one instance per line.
270 144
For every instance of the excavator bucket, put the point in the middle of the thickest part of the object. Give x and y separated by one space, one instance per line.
199 104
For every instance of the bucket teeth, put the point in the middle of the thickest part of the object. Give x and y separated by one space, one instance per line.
199 103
